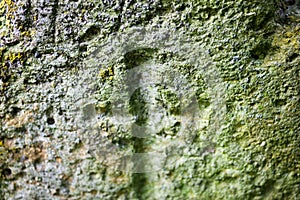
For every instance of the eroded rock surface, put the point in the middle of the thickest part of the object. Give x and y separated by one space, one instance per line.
149 99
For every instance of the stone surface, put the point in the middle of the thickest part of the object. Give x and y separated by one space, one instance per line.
149 99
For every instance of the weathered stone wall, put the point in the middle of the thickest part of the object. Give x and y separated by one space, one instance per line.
149 99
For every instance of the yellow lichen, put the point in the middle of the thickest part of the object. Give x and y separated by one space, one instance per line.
107 73
12 57
7 10
284 41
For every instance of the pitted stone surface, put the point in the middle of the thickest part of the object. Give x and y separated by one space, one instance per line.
76 124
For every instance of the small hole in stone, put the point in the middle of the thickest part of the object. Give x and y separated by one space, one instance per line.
21 174
60 112
15 110
50 120
293 56
6 172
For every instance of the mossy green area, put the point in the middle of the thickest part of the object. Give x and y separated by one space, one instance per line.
149 99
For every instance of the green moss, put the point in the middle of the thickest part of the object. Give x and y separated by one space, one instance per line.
254 155
137 57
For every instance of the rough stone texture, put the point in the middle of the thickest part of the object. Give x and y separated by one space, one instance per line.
66 64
